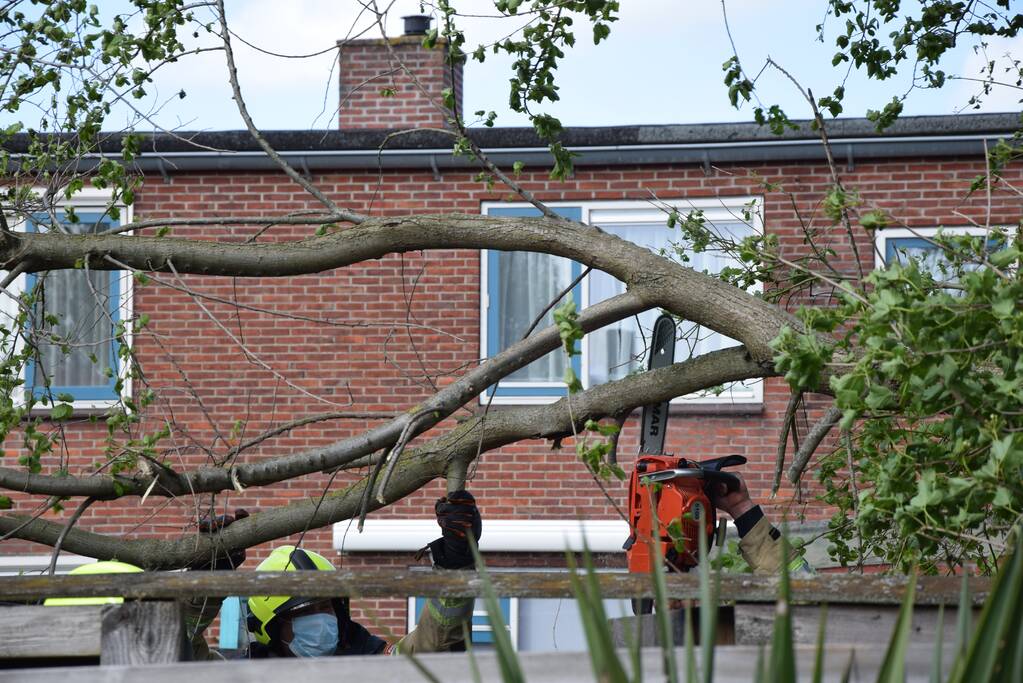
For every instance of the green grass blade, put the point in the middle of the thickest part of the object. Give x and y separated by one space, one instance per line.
847 672
1014 661
635 651
708 607
692 675
507 658
782 662
939 637
600 644
474 667
586 617
615 672
759 675
893 668
818 660
964 618
998 616
662 617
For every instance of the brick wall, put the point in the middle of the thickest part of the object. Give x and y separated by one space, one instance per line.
376 91
348 339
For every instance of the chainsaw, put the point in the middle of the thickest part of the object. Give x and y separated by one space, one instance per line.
669 491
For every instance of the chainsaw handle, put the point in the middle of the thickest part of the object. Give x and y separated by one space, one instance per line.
714 477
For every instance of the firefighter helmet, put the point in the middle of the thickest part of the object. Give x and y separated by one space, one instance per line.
263 608
107 567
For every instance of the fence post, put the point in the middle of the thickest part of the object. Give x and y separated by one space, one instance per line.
143 632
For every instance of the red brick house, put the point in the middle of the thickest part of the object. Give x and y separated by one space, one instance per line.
230 358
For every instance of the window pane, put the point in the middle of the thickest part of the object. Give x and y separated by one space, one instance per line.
81 303
527 284
929 258
619 349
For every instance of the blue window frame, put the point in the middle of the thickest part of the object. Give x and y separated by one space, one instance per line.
514 300
87 306
482 629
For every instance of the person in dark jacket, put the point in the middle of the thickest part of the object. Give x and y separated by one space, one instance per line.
294 626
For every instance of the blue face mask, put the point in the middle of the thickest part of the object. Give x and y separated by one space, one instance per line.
315 635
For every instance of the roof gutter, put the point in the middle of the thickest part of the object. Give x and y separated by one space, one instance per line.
436 159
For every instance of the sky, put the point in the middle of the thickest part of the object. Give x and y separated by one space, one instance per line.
661 65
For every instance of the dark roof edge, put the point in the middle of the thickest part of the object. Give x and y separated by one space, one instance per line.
852 139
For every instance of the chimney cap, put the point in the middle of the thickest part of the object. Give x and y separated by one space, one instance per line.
417 24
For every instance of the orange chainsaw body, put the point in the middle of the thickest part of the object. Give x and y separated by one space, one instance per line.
652 507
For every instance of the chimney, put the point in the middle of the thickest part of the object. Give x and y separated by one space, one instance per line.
377 93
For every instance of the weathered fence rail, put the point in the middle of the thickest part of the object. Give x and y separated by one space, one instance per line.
147 629
827 588
734 664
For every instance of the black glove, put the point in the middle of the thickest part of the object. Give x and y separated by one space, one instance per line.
221 558
458 518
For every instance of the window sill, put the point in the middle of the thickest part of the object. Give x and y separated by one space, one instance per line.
725 407
78 408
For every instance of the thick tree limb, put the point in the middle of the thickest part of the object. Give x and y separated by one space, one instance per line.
415 468
697 297
271 470
813 440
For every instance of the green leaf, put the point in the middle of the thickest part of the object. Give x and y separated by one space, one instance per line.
818 660
782 663
874 220
61 411
999 616
939 638
893 668
6 503
508 661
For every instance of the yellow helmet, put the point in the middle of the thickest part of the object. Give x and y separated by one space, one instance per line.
263 608
107 567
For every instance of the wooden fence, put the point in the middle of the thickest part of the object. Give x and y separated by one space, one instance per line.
147 629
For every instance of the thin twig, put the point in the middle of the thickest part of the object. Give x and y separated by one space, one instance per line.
407 434
847 440
12 275
232 72
832 167
301 422
82 507
252 357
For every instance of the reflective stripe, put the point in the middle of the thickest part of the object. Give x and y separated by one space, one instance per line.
449 611
798 565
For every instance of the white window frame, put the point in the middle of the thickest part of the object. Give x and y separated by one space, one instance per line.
513 615
31 564
624 212
86 199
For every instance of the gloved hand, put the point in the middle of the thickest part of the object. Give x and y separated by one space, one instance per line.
221 559
458 518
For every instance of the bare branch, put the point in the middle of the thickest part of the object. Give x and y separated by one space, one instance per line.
813 439
787 422
82 507
232 71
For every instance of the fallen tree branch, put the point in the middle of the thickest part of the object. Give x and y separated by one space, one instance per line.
695 296
415 468
787 423
272 470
